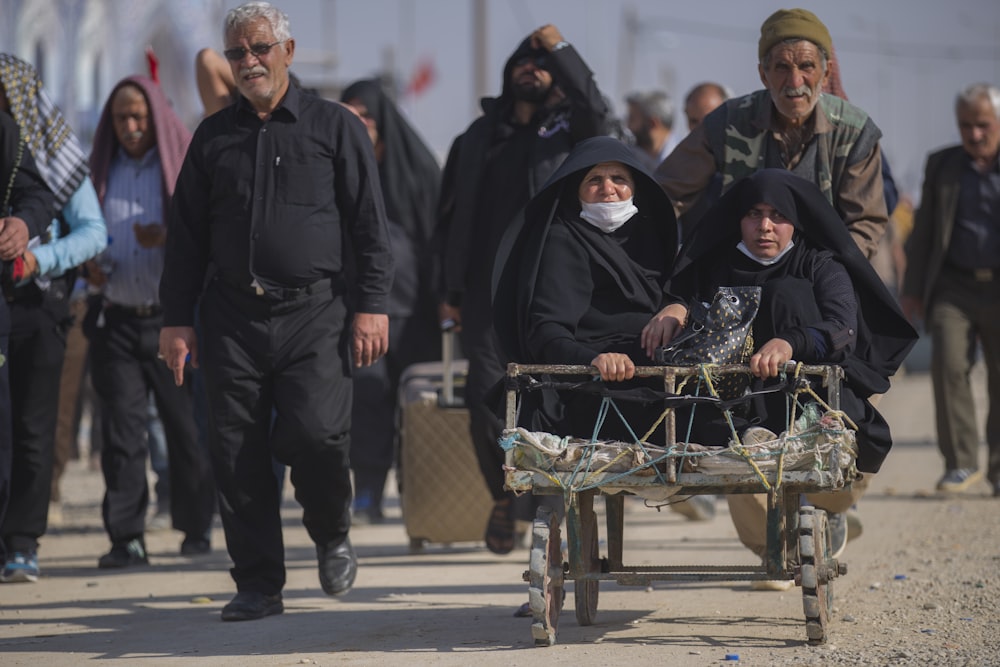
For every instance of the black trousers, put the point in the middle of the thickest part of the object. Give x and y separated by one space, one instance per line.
479 342
37 348
124 369
260 358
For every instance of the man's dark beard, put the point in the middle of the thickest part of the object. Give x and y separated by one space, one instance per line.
530 93
643 138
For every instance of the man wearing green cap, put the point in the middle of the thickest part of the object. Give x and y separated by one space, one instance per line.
793 125
790 124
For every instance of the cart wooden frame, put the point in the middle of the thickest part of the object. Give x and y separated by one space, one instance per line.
797 543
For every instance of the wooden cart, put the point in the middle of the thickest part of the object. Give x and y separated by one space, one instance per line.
797 540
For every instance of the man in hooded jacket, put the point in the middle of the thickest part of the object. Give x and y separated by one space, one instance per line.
549 102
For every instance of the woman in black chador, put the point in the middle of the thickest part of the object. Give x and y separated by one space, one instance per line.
822 302
582 280
411 180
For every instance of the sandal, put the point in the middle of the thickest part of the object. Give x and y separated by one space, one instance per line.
500 529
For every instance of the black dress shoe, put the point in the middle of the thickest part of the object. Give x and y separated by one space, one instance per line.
195 546
124 554
250 605
338 565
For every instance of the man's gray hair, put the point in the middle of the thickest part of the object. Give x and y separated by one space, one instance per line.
976 92
655 104
824 57
251 11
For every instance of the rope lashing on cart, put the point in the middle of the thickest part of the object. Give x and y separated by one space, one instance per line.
737 443
601 463
807 388
645 395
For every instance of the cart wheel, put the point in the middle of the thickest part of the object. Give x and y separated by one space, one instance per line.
817 584
545 577
585 590
417 545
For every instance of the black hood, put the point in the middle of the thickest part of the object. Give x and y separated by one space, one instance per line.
523 49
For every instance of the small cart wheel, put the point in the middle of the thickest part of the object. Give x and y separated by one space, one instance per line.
585 590
545 577
817 584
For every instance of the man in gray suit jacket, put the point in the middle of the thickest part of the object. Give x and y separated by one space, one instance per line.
953 282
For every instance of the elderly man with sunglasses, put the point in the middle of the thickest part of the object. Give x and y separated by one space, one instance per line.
279 237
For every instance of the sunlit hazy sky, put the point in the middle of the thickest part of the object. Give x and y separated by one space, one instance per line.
902 61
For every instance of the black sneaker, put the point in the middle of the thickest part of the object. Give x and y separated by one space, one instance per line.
124 554
195 546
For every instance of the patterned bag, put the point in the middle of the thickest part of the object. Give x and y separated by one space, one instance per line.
717 333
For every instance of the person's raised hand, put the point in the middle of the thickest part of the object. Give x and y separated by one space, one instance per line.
546 37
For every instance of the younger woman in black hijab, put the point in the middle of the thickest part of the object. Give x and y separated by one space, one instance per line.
822 302
821 297
585 272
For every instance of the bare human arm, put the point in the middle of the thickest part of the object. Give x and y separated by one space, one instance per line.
216 86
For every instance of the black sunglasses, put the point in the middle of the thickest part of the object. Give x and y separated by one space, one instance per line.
238 53
539 60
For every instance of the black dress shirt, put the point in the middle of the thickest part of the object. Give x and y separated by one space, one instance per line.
286 201
975 239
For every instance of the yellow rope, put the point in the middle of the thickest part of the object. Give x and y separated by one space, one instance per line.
652 428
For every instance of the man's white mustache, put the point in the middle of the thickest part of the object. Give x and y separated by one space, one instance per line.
256 69
794 92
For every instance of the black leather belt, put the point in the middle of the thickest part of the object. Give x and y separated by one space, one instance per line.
151 310
979 275
250 286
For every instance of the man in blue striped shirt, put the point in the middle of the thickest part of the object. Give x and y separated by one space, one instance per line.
138 148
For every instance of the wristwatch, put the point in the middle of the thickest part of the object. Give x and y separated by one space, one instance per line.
561 45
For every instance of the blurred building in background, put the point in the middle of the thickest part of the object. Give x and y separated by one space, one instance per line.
81 48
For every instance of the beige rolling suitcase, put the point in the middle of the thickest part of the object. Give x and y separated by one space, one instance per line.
442 493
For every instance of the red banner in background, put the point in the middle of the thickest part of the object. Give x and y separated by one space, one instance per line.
154 64
423 77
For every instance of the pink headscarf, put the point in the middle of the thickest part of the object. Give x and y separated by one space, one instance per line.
172 138
833 85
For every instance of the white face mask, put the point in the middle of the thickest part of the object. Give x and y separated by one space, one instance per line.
742 247
608 216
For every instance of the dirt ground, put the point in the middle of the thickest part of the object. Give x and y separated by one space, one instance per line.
921 590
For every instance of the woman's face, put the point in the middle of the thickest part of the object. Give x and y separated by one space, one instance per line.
607 182
359 107
766 232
